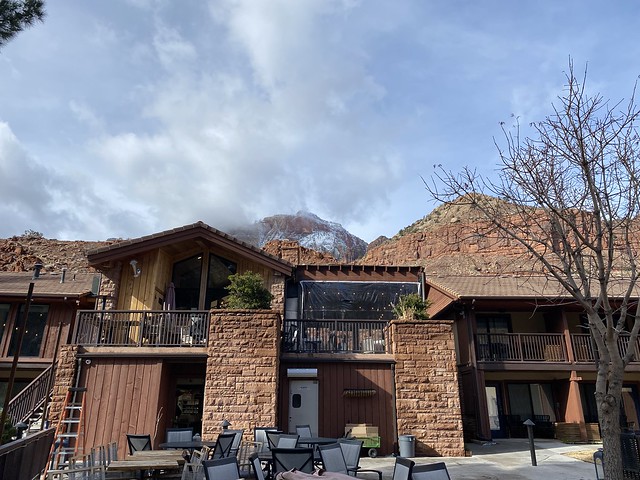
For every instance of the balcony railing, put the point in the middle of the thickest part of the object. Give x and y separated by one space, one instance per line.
32 397
541 347
334 336
134 328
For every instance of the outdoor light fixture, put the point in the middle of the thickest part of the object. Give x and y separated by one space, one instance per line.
225 424
136 269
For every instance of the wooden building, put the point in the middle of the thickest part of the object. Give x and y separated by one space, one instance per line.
524 351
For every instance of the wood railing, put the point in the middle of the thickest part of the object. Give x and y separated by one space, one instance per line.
520 347
26 457
134 328
32 397
541 347
334 336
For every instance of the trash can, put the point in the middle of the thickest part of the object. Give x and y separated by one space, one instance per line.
407 445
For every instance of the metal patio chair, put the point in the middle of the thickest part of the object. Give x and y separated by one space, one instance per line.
333 459
288 440
221 469
432 471
260 435
137 442
236 441
223 445
285 459
179 435
403 468
351 451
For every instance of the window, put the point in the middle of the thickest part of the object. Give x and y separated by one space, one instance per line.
186 278
33 333
528 400
217 279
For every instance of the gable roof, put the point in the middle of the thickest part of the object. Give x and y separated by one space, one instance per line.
198 230
16 284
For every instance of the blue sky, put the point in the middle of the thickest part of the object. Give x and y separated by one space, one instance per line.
128 117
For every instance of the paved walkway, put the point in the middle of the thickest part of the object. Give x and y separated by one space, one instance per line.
504 459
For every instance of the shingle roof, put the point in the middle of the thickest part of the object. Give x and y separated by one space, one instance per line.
47 285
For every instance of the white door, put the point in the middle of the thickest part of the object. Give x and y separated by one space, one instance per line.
303 404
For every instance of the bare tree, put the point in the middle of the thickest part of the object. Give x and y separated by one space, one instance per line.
569 195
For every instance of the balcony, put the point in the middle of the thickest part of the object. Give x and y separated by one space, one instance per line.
334 336
541 347
135 328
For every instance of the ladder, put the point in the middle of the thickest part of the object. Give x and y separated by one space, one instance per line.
66 442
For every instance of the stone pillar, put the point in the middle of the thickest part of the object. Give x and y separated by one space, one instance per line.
64 379
241 383
574 412
427 391
277 290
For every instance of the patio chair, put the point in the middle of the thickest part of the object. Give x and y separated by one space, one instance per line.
221 469
304 431
403 468
333 459
433 471
285 459
273 437
138 442
245 452
236 441
193 469
351 451
257 467
288 440
179 434
260 435
223 445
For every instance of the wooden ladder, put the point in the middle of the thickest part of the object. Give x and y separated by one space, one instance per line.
70 427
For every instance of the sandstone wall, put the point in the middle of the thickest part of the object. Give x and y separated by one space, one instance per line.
427 395
241 382
64 379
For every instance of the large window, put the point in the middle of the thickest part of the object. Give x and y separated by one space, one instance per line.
217 279
531 399
187 277
33 333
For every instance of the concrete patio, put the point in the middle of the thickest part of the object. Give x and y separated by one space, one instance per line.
505 459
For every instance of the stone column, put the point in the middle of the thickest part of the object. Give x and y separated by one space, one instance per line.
241 383
427 392
64 379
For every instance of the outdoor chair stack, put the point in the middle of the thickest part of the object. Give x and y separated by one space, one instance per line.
221 469
285 459
193 469
89 466
244 456
433 471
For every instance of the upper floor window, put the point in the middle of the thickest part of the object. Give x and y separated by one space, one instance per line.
187 279
33 333
498 323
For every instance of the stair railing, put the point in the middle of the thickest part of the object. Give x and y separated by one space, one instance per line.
24 404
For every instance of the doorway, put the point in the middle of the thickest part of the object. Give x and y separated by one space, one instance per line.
495 411
303 404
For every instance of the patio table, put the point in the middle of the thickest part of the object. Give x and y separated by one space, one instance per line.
143 463
316 440
187 445
157 454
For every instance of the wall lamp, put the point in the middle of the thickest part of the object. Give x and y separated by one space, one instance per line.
136 269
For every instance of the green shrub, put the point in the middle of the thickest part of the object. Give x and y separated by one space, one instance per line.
411 307
247 291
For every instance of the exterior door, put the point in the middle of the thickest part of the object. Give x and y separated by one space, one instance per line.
303 404
494 411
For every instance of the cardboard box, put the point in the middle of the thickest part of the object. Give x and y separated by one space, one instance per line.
361 430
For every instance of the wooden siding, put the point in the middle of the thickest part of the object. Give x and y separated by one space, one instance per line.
335 410
123 396
59 321
147 291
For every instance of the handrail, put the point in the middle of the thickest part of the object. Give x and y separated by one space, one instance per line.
334 336
521 347
134 328
29 399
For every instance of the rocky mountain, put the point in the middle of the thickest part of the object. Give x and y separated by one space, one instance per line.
309 230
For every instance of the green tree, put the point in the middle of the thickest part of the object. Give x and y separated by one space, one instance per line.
569 196
411 307
16 15
247 291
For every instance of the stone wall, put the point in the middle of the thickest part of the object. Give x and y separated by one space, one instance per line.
63 380
241 383
277 290
110 285
427 395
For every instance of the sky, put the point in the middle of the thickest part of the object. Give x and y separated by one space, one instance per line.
125 118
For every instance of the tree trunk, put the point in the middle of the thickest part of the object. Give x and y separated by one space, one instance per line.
609 415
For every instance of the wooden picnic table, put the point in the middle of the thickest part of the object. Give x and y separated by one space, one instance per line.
143 463
157 454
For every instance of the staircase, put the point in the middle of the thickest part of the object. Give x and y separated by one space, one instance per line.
67 441
29 405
